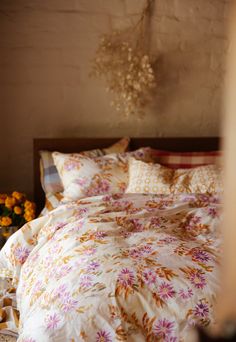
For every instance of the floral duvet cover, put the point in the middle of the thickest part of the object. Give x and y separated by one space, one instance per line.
117 268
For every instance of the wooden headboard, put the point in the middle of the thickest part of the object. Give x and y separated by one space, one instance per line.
67 145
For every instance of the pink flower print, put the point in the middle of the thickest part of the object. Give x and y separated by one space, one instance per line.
52 321
89 251
168 240
61 271
103 336
99 187
69 305
204 198
126 278
164 328
86 281
201 310
135 253
191 222
215 199
61 290
212 212
149 277
107 198
104 186
71 165
140 251
125 234
121 205
188 198
80 213
195 219
185 294
136 225
65 296
146 249
200 255
197 279
21 254
81 181
100 235
155 221
166 291
93 265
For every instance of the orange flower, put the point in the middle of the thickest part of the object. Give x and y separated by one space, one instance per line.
17 210
29 205
10 202
29 217
6 221
18 195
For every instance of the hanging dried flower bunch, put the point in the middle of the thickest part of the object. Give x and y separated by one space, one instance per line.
123 61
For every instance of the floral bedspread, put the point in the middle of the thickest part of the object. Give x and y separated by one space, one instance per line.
117 268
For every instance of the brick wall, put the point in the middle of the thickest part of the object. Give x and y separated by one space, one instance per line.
45 52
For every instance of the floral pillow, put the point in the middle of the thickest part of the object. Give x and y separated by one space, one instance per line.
82 176
50 180
158 179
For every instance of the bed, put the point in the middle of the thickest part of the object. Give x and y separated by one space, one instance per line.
117 266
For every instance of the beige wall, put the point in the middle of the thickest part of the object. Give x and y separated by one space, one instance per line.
45 52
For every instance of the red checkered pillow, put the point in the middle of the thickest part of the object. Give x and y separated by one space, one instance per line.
186 160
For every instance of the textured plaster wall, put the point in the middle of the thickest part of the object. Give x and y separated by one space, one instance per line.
45 52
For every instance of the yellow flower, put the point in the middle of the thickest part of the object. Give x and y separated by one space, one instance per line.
17 210
18 195
29 211
6 221
28 217
29 204
10 202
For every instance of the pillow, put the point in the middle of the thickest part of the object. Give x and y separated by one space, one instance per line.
50 180
186 160
158 179
83 176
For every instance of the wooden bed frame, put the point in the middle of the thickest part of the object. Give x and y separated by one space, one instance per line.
67 145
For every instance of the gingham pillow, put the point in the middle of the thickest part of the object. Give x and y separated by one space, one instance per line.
50 179
186 160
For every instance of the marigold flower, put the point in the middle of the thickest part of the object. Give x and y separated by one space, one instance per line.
10 202
17 210
6 221
28 217
18 195
29 205
29 211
